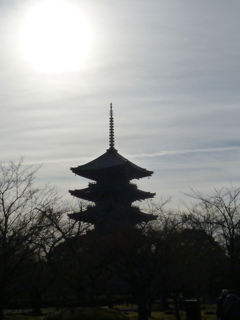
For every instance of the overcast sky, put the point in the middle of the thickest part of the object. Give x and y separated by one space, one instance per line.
172 71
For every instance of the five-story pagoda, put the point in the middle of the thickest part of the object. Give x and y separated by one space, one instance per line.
112 192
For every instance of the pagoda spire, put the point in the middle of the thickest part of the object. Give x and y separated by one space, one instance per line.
111 128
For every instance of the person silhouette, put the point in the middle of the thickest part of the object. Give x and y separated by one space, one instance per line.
220 303
231 306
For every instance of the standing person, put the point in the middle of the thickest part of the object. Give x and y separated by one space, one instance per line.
220 303
231 307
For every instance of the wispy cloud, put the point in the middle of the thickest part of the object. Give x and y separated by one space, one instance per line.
187 151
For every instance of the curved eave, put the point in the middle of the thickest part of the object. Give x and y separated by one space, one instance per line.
82 216
92 215
128 195
125 169
145 217
83 194
109 163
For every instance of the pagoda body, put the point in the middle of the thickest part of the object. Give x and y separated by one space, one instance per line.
111 192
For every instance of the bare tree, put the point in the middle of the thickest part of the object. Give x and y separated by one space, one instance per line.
58 234
189 255
27 223
219 216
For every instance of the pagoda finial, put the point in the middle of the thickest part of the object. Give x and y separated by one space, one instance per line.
111 128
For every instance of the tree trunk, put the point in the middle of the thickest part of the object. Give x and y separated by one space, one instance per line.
1 311
165 305
150 309
1 305
36 302
142 310
2 298
175 299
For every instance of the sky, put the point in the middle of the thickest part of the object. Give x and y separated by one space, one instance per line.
170 68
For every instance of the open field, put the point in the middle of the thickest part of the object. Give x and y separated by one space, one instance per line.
207 314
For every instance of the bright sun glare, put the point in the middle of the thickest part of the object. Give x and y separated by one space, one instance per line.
55 37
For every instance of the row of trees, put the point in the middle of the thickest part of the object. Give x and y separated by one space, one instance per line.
44 256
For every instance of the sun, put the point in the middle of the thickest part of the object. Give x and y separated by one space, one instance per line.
55 37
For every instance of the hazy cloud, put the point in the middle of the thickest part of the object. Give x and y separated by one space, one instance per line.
171 70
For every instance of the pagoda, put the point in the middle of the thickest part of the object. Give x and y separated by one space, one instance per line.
111 193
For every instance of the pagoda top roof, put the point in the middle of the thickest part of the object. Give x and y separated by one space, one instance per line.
109 162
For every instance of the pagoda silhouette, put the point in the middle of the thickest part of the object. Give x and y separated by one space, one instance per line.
112 193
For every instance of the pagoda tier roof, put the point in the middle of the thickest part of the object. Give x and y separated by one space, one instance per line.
127 193
110 164
130 215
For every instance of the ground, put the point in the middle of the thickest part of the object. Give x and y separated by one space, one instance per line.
207 314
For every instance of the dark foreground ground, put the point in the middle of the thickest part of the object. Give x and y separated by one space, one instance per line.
208 313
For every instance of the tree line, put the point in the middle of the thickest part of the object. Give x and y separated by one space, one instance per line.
47 259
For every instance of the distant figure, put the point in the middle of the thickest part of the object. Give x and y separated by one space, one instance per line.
220 302
231 307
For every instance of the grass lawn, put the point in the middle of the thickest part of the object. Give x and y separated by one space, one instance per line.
132 315
158 315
